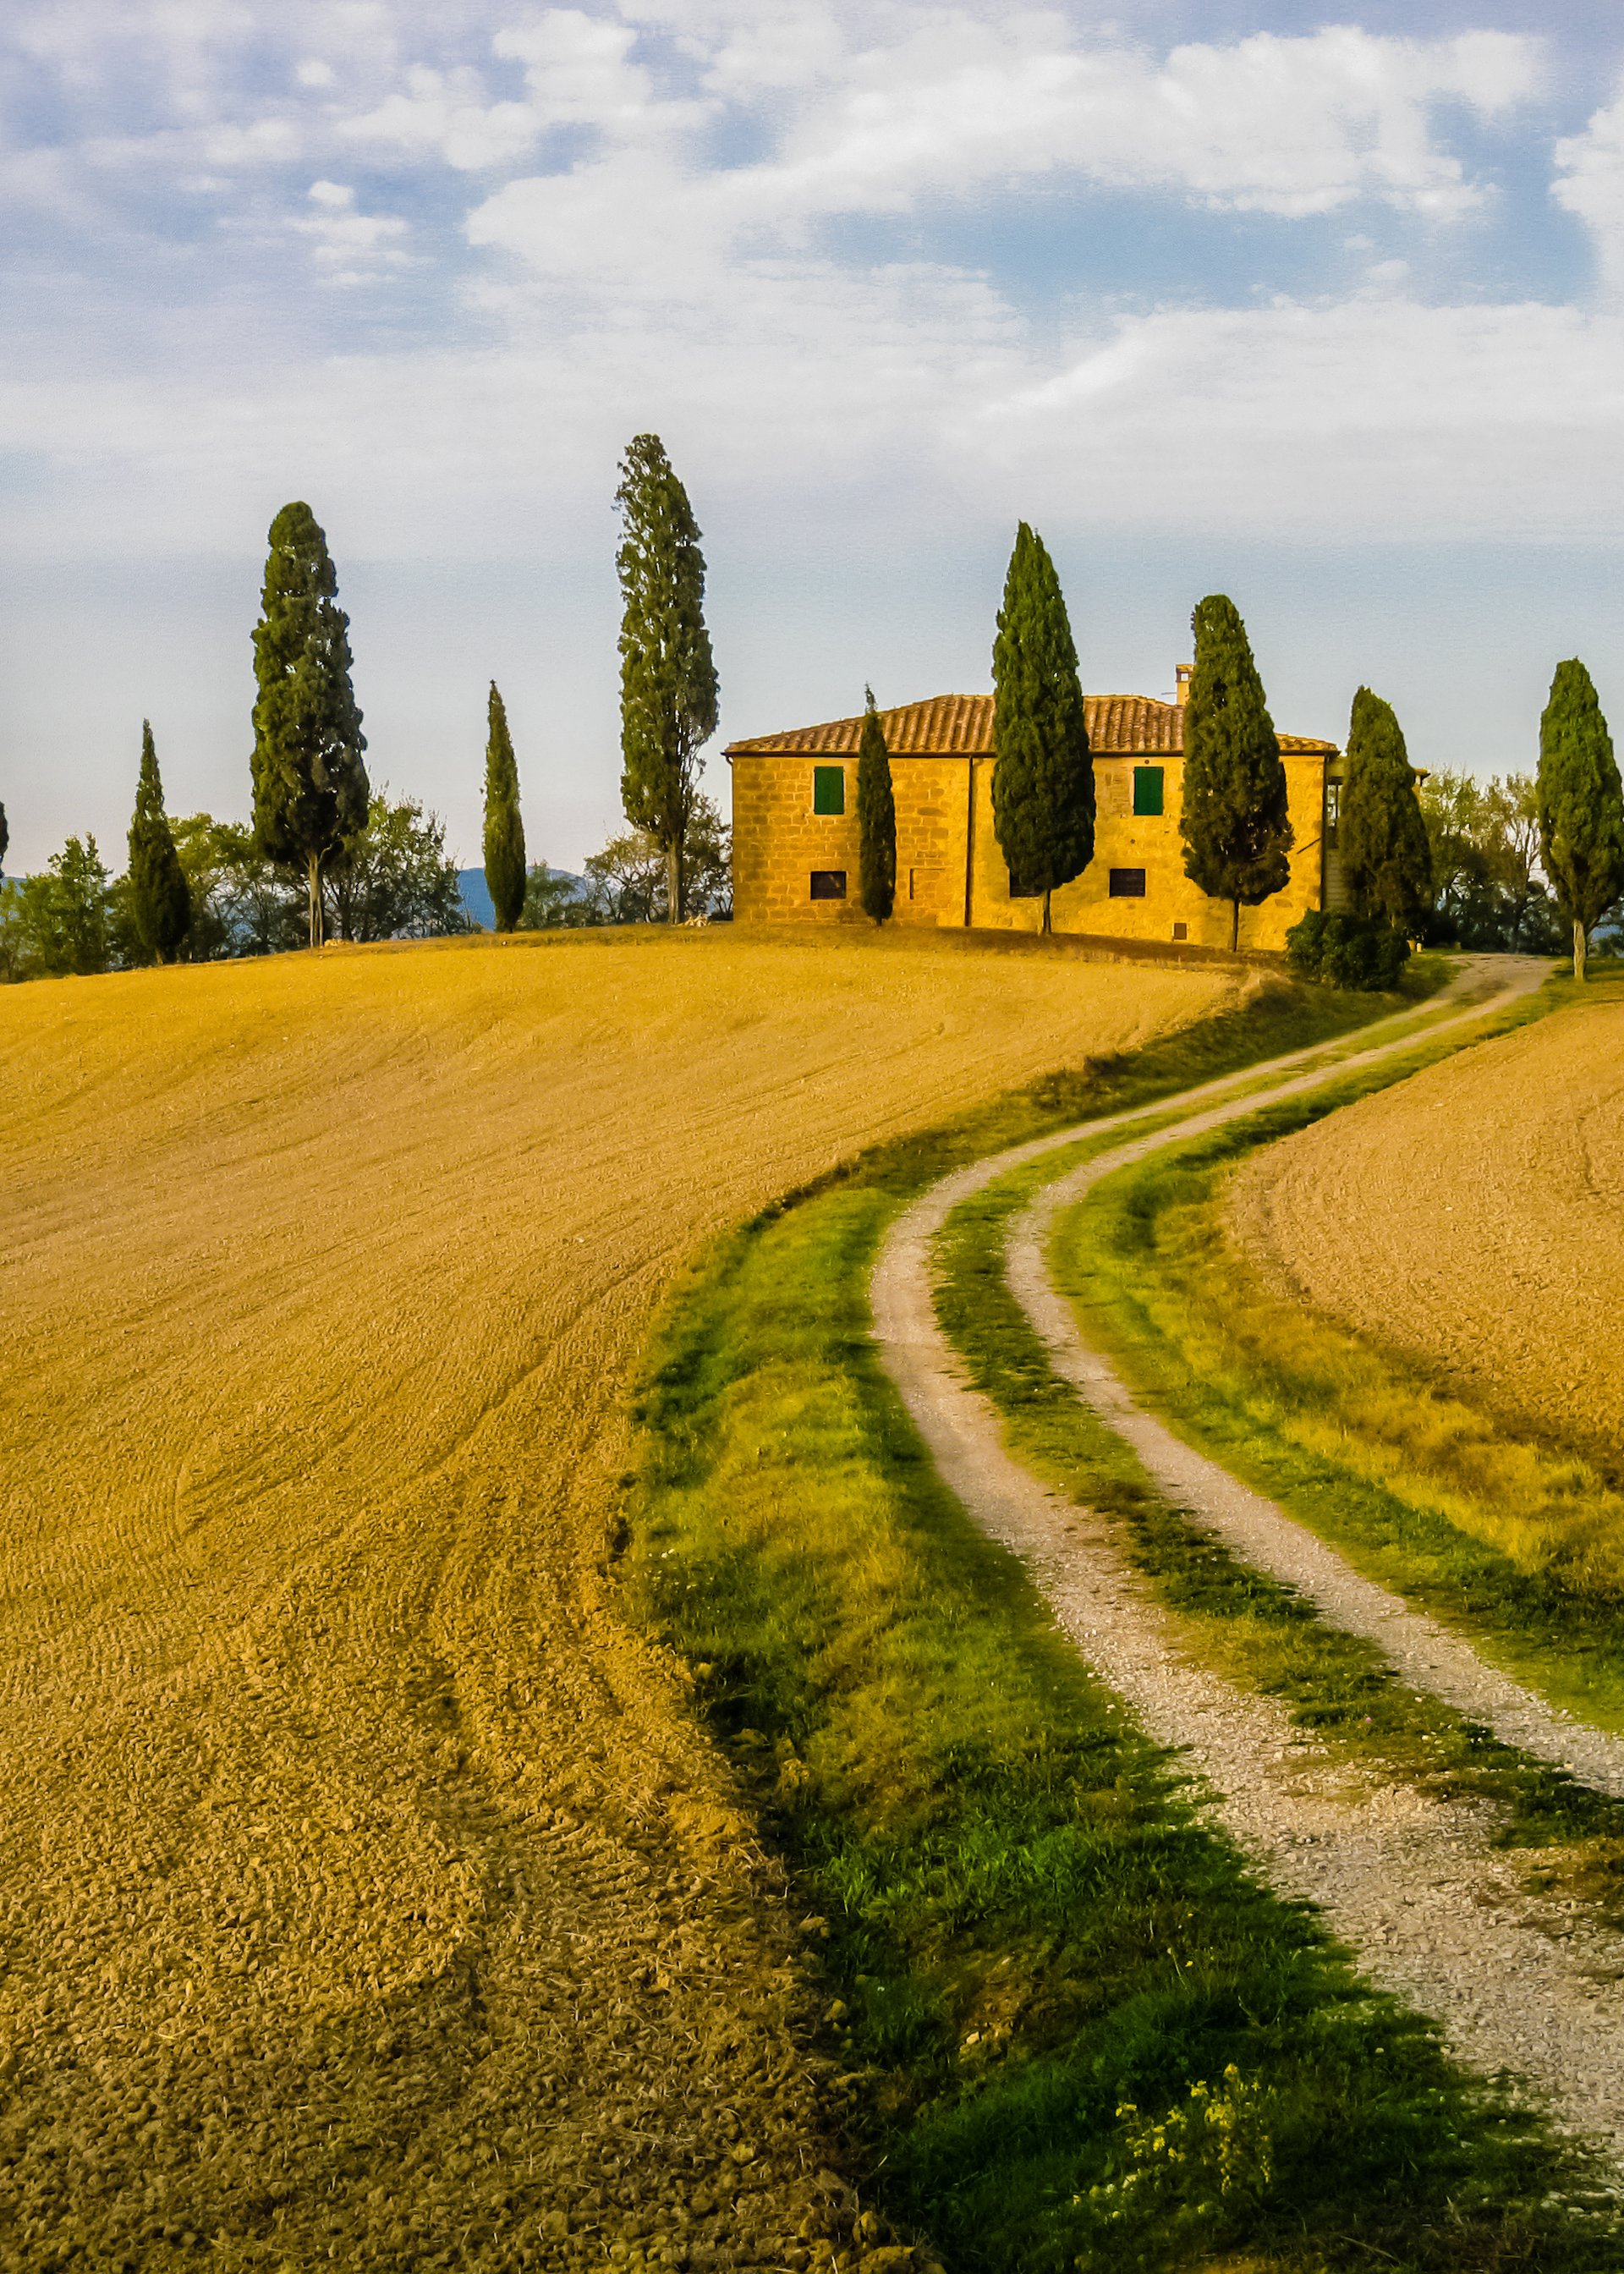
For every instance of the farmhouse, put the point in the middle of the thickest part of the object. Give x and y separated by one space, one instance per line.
796 827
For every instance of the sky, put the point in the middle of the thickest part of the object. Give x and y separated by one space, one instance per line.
1322 309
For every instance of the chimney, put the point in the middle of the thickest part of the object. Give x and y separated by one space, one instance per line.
1181 678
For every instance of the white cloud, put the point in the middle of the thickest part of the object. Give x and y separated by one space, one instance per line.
1590 184
350 247
579 70
445 113
1282 125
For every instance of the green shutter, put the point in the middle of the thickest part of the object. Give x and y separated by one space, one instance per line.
1147 790
829 789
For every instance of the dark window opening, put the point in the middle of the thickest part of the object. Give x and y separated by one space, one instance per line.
828 883
829 789
1333 810
1127 885
1147 789
1024 891
1181 931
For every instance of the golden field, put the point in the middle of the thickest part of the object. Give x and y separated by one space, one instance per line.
368 1895
1474 1217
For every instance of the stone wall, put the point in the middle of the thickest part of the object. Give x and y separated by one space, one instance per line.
780 842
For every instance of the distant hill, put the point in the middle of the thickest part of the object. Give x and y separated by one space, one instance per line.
476 893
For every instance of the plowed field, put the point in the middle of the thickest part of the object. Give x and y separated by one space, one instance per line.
1474 1217
366 1895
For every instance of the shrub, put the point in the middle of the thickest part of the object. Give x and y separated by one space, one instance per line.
1363 952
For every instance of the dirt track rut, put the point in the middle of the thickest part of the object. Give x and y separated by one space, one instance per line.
1414 1886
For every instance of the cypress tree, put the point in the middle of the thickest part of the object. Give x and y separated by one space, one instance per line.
1235 822
1386 855
1579 805
668 683
1042 781
310 786
876 818
160 897
6 839
504 828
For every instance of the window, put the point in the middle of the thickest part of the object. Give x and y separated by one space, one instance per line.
1127 883
828 884
1333 810
829 789
1147 789
1024 891
1181 931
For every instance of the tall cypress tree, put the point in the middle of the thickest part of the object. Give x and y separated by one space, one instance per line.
876 818
1385 857
310 786
504 828
1235 822
1042 781
1579 805
668 683
160 897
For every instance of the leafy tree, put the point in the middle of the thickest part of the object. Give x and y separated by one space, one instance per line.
504 827
1490 888
668 683
242 902
628 880
876 818
1580 804
1043 782
393 880
60 923
310 787
554 899
160 897
1385 857
1235 823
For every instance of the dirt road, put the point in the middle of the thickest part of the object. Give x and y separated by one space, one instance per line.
366 1895
1417 1887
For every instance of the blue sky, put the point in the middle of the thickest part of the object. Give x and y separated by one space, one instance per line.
1321 310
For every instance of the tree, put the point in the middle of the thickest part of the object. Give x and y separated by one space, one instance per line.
628 878
504 828
160 898
668 683
1385 857
393 880
60 923
6 839
1580 804
310 787
1489 890
876 818
1235 822
1043 782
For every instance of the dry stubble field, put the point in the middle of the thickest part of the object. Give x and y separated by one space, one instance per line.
1474 1217
367 1895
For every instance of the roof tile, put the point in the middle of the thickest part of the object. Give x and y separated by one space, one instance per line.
954 725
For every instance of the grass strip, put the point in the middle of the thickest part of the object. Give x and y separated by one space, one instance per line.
1337 1687
1073 2030
1504 1534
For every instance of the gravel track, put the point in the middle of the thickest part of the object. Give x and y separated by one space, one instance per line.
1413 1884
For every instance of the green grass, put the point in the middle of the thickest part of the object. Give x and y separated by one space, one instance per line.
1032 1952
1337 1687
1508 1536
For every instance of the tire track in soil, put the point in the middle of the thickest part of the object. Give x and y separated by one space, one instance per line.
1433 1912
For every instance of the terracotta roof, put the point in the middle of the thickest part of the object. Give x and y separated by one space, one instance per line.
948 726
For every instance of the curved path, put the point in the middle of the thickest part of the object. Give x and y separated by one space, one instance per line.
1431 1908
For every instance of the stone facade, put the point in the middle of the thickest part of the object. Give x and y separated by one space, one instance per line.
787 854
